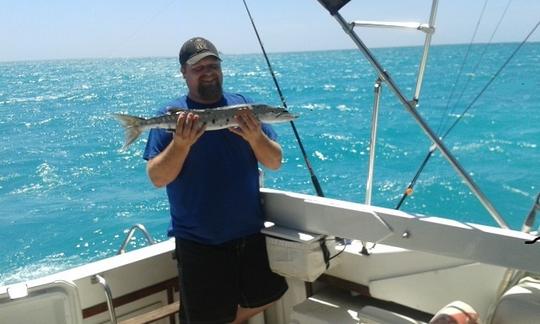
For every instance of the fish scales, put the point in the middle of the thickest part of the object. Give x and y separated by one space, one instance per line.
213 119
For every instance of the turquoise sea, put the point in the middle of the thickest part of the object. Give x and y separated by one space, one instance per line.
68 195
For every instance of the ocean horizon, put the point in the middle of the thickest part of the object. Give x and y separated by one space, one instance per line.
231 54
69 194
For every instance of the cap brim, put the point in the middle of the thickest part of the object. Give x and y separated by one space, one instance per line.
200 56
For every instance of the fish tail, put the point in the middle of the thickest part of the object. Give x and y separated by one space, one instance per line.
132 126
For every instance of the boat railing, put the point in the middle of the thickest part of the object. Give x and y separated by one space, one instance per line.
130 234
427 28
98 279
333 6
531 217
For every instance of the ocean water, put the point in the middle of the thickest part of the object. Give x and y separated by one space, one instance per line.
68 195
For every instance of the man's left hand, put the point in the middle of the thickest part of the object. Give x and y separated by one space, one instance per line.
249 127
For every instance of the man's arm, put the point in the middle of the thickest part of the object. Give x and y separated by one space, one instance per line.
166 166
267 151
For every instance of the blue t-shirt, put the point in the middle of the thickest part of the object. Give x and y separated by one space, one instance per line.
215 198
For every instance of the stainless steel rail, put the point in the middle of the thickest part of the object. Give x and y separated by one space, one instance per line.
410 106
428 29
373 139
98 279
389 24
130 235
108 296
427 44
531 217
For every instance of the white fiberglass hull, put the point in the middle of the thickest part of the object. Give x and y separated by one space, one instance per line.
435 262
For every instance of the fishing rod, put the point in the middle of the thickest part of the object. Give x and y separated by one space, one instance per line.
409 189
314 179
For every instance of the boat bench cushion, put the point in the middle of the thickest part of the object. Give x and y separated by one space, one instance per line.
520 304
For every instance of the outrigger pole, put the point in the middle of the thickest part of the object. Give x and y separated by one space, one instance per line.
333 6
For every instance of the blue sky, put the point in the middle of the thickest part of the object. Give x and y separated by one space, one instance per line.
56 29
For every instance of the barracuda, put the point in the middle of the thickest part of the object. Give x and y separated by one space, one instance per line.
213 119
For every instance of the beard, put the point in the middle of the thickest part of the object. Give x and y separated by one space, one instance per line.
210 92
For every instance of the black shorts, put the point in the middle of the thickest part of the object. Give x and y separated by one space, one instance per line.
215 279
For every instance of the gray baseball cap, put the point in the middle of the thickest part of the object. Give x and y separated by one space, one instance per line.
195 49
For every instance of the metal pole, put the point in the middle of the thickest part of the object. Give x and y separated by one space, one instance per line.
410 106
130 234
373 139
108 296
372 147
427 44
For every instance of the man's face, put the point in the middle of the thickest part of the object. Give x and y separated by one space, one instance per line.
204 80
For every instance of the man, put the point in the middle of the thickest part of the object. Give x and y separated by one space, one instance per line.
213 190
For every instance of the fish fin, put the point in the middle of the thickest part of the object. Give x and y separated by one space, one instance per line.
132 126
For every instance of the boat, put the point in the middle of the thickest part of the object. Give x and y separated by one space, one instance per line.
345 262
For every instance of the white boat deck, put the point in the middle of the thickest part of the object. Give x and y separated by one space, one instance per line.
448 261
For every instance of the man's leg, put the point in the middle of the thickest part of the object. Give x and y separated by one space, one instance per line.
243 314
208 284
259 286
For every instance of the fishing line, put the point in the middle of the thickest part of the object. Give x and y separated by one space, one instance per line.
492 79
140 27
484 50
314 179
409 189
462 66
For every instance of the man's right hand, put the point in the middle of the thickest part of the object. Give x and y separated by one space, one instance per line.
188 129
166 166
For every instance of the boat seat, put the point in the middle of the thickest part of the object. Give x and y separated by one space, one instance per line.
520 304
456 312
55 302
154 315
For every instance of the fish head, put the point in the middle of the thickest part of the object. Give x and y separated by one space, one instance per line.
272 115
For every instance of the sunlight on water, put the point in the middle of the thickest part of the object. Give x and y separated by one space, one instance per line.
69 195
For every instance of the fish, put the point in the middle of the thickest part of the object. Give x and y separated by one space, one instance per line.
213 119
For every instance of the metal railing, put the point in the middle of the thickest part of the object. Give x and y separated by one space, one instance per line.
410 105
130 234
98 279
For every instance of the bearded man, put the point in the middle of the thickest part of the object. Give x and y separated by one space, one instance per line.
212 183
